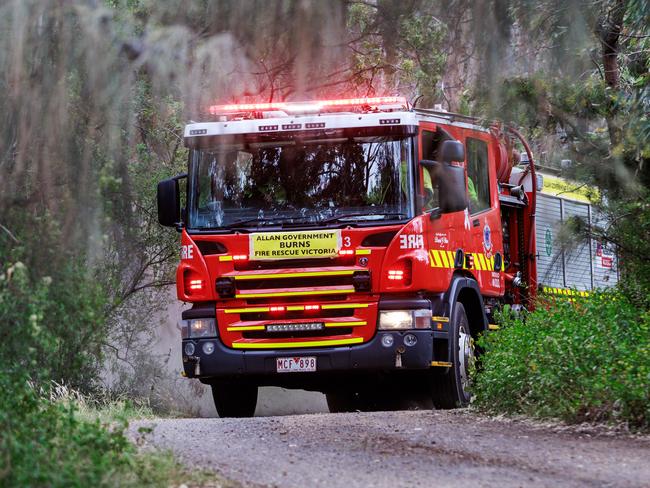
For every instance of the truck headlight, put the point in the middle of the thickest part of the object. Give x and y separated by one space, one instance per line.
193 328
405 319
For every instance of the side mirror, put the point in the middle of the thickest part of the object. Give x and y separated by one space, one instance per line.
169 203
452 151
450 179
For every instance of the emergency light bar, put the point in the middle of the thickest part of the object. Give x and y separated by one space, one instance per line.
311 105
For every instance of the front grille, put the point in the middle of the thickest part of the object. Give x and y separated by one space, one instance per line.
297 299
262 334
290 315
297 285
268 295
260 284
287 264
354 320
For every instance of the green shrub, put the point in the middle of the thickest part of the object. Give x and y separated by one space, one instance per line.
47 443
583 361
44 444
53 327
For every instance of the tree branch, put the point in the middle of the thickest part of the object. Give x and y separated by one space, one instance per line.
13 237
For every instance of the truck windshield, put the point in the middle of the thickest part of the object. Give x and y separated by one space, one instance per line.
301 182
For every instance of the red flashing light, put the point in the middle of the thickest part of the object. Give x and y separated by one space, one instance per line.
196 285
239 257
363 101
402 273
193 283
396 274
193 286
346 252
259 107
277 309
247 107
312 307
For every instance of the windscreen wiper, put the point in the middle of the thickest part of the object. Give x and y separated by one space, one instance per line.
298 220
358 217
259 220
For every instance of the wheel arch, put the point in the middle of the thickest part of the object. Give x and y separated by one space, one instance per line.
466 291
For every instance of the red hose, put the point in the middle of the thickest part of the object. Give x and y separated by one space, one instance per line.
533 202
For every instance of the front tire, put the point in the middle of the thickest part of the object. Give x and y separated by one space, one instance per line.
450 388
234 400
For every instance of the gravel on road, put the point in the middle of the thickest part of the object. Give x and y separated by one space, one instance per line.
404 449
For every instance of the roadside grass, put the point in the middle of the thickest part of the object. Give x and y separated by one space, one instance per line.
581 361
103 405
65 441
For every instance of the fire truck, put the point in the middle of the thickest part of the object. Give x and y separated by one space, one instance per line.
356 247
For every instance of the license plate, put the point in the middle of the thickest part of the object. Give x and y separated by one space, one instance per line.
296 365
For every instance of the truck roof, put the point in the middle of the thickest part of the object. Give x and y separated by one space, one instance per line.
237 119
292 123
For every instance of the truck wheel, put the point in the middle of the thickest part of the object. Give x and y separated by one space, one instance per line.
234 400
451 386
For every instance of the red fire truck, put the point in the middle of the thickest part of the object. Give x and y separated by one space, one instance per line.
356 247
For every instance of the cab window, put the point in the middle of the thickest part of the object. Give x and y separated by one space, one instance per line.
478 180
429 190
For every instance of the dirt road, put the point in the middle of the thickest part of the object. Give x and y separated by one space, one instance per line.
404 449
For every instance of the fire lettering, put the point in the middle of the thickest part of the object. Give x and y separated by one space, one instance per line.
187 252
411 241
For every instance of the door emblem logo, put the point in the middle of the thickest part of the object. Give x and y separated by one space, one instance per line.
487 240
548 242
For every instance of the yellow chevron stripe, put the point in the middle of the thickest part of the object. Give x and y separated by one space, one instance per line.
444 260
563 291
362 252
477 261
481 260
290 345
225 258
439 258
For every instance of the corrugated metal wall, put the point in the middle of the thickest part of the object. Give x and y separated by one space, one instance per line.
583 265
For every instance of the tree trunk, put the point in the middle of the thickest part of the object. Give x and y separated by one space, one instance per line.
608 30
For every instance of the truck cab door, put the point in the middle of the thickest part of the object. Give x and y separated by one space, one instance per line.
485 237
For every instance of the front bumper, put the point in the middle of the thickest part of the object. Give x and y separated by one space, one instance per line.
370 356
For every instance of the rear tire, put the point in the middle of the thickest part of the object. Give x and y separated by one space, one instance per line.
450 387
233 400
